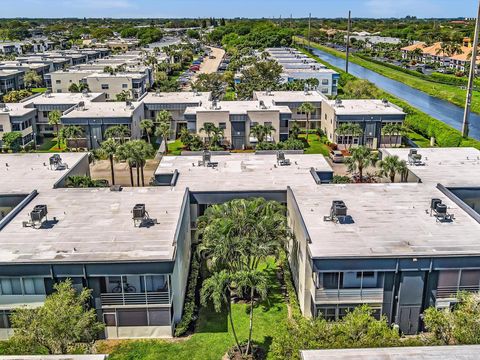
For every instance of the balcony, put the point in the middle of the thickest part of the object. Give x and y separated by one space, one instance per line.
450 292
149 298
349 296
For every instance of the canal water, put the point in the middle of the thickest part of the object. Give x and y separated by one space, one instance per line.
440 109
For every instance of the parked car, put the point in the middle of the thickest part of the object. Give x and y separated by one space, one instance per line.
336 156
212 57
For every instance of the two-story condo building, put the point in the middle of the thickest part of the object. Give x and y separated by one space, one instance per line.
16 117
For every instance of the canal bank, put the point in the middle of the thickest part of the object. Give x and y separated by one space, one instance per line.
417 121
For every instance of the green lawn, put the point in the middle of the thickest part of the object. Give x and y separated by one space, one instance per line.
446 92
38 90
50 145
175 148
418 139
213 337
316 146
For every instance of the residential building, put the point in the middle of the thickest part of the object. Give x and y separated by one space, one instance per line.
175 103
39 68
236 118
11 79
96 117
16 117
294 100
114 84
385 245
370 115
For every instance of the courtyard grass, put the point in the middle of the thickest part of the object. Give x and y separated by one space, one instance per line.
316 145
213 337
450 93
175 148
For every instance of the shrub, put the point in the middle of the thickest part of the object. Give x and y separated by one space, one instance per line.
338 179
291 144
266 146
190 305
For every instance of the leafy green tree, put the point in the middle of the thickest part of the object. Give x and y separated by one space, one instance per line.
125 153
295 130
258 132
16 96
163 128
147 127
78 88
308 109
62 321
214 83
261 76
361 89
125 95
117 132
32 79
361 157
12 140
54 120
73 132
109 148
208 128
390 166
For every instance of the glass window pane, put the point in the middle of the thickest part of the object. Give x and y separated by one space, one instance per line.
109 319
28 286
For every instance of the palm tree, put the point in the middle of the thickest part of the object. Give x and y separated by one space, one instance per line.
308 109
251 282
258 132
163 128
217 289
31 78
117 132
390 166
109 148
343 130
141 151
78 88
54 120
295 130
387 130
361 157
268 129
125 153
125 95
147 127
217 135
208 128
73 132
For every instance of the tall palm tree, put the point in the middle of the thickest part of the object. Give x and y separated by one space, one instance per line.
308 109
387 130
268 130
141 151
109 148
54 120
343 130
163 128
125 153
390 166
208 128
361 157
217 135
147 127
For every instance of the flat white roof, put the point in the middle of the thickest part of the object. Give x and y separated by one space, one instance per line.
289 96
237 107
62 98
463 352
176 97
95 225
245 171
27 172
103 110
368 107
16 109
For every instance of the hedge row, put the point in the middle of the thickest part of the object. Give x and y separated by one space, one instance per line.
290 288
434 77
190 305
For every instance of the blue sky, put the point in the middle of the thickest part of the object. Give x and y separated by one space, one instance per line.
236 8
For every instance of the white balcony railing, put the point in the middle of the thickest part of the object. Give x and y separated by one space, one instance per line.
349 296
150 298
450 292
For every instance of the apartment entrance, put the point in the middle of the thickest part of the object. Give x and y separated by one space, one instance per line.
410 299
238 135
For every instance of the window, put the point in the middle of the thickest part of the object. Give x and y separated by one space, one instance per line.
124 86
330 280
45 114
11 286
110 319
155 283
132 317
1 127
324 81
105 87
34 286
366 274
324 90
59 91
58 81
159 317
222 125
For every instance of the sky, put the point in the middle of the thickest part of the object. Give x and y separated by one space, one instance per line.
236 8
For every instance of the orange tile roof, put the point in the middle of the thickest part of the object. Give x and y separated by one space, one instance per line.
419 45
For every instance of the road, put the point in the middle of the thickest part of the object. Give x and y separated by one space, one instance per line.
440 109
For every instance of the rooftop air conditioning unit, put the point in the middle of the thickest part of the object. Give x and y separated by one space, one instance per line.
139 212
38 213
385 102
338 102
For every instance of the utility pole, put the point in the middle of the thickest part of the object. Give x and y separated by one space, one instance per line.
348 40
309 29
471 78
